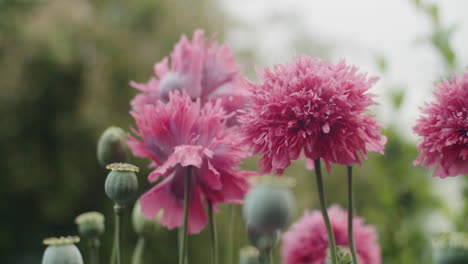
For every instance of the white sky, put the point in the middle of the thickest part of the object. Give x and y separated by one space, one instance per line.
356 30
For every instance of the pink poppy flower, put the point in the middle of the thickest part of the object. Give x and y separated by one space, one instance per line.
202 69
307 242
444 129
181 133
313 107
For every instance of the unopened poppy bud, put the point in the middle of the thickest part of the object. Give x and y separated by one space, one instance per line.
142 225
62 251
112 146
451 248
121 184
261 239
248 255
268 207
90 224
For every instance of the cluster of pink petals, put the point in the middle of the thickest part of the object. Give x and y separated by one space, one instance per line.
444 129
205 71
314 107
182 133
307 242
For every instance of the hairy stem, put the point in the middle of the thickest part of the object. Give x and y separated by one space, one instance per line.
323 207
350 215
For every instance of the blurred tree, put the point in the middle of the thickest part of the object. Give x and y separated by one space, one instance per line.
65 68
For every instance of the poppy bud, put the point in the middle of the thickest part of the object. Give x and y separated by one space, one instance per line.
142 225
112 146
268 207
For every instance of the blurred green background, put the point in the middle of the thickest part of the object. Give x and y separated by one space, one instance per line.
64 73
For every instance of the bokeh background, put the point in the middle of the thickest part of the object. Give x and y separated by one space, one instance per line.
64 73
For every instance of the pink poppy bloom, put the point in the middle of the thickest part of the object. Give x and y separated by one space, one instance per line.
313 107
202 69
181 133
444 129
307 241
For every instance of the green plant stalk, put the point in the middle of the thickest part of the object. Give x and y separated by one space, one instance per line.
214 242
137 257
265 257
323 208
93 245
119 211
114 245
350 215
230 239
183 250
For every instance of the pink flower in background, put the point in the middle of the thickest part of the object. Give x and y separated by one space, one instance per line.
306 242
202 69
314 107
181 133
444 129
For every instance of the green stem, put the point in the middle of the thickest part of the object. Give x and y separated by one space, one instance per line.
137 257
214 242
119 211
323 207
265 257
114 245
183 250
94 244
230 238
350 215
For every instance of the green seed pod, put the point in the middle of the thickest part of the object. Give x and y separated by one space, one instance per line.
141 225
261 239
112 146
268 207
62 251
121 184
248 255
451 248
90 224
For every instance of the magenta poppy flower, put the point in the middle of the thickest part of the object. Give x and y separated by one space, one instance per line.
181 133
313 107
444 129
307 242
202 69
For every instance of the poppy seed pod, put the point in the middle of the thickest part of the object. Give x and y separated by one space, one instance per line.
90 224
248 255
142 225
62 251
112 146
121 184
451 248
268 207
261 239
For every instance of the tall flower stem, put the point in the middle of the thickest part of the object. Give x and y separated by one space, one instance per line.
184 245
214 242
265 257
138 251
350 215
323 207
119 212
230 238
